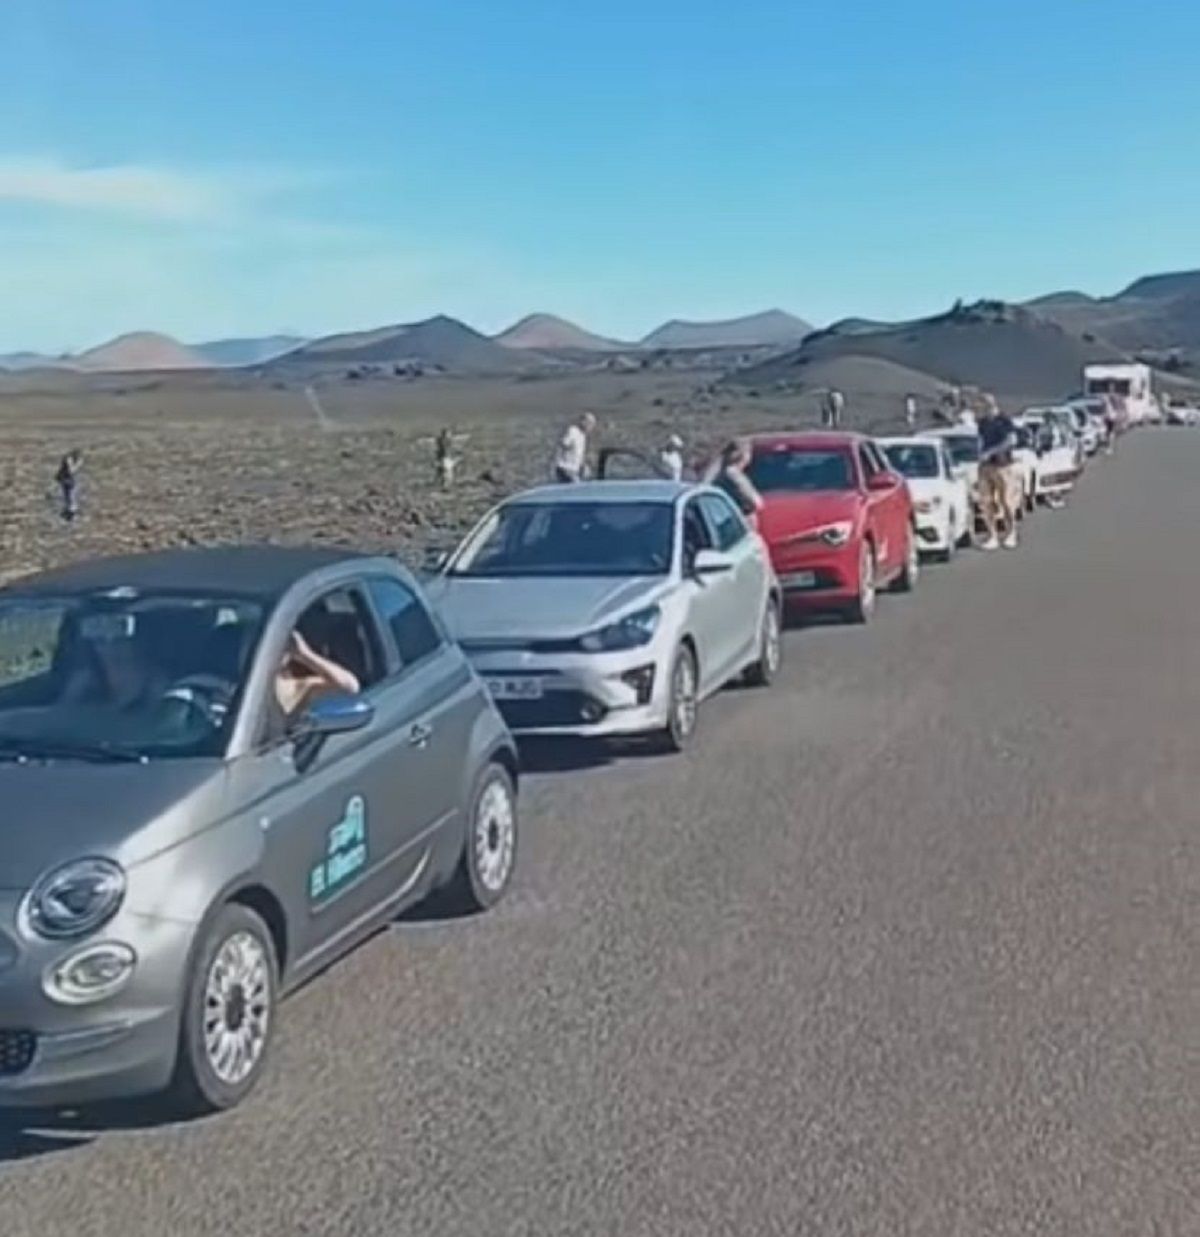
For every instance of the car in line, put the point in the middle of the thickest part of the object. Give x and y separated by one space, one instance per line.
1182 414
1059 463
838 520
181 850
962 442
612 608
941 498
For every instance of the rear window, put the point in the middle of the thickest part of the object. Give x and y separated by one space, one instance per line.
910 460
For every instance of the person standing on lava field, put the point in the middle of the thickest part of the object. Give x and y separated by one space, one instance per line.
67 480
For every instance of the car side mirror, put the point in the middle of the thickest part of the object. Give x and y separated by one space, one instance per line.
882 482
711 563
434 561
337 713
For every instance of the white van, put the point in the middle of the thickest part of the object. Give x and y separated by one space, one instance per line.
1128 387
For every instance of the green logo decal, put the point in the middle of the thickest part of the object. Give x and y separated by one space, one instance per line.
345 853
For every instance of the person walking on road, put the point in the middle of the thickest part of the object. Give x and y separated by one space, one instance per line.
570 460
832 408
671 458
67 480
997 477
910 411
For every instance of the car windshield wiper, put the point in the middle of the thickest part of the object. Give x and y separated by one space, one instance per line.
17 748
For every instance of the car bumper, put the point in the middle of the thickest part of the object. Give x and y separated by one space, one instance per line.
581 694
55 1055
818 578
932 532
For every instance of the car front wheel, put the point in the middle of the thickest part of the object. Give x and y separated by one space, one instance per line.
762 671
906 581
228 1015
489 855
863 606
683 702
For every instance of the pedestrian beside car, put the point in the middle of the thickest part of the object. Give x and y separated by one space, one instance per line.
67 480
570 460
728 472
997 477
671 458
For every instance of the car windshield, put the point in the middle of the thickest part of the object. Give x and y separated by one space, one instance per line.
963 448
571 539
800 470
918 461
120 676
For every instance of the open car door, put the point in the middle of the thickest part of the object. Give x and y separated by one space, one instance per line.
629 464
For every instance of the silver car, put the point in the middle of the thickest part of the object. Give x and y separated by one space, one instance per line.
186 839
612 608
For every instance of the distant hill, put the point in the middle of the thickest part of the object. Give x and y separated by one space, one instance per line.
771 328
32 360
548 333
1156 314
1006 349
440 343
141 350
237 353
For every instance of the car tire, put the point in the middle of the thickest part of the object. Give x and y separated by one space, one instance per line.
762 671
229 1014
490 843
683 701
910 573
863 606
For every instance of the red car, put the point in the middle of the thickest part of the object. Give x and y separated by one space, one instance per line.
838 520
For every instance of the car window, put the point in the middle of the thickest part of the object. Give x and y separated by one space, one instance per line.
801 470
697 535
867 464
413 632
340 626
877 458
728 526
919 461
156 675
570 538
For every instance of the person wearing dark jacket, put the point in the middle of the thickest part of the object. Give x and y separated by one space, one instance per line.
67 480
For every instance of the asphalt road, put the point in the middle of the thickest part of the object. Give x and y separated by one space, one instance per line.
906 945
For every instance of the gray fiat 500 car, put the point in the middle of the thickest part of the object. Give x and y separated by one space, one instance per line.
200 814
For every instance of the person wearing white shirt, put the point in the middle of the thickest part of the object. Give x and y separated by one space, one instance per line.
570 460
671 457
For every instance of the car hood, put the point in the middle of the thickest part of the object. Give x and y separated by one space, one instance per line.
927 487
785 515
531 608
63 810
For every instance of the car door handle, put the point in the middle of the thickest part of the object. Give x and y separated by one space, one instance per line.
420 735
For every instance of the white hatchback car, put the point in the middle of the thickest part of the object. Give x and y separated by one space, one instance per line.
1058 464
940 494
612 607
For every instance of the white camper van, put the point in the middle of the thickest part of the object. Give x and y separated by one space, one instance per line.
1128 388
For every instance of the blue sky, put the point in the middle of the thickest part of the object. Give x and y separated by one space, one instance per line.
227 167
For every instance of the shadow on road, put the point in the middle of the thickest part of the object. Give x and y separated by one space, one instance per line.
28 1135
566 755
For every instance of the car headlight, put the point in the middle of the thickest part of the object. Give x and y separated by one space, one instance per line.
830 534
927 505
76 899
630 632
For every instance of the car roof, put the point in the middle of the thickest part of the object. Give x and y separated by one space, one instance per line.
829 440
264 572
904 440
648 491
950 431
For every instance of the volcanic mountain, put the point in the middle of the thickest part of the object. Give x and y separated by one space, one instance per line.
548 333
770 329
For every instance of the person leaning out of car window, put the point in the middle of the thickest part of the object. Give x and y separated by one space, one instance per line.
728 472
304 676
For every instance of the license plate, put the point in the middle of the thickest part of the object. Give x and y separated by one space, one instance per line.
799 579
515 687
